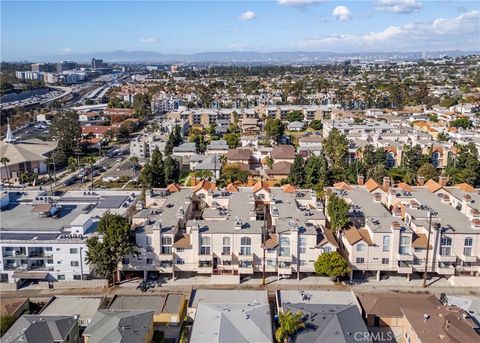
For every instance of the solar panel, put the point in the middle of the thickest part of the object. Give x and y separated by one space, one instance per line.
25 236
114 201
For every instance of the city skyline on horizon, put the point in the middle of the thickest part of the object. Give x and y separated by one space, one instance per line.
231 26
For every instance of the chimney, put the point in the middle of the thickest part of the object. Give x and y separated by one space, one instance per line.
360 180
386 183
442 180
395 225
420 180
238 224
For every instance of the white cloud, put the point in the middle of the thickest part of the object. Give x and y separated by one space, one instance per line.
399 6
249 15
342 13
149 40
439 34
299 3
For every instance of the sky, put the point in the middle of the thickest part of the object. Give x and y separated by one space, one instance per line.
42 28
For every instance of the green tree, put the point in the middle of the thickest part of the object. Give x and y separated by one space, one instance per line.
428 171
336 149
316 124
141 105
232 139
4 160
233 173
65 129
269 161
331 264
153 174
106 250
312 171
200 143
274 129
337 210
413 159
443 137
465 167
5 323
297 172
172 170
295 116
289 324
463 123
378 172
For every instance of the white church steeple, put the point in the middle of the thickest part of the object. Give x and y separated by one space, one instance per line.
9 138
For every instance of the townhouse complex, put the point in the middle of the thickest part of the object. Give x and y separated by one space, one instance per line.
390 228
229 232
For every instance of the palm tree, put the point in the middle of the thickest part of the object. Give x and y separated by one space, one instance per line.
4 160
289 324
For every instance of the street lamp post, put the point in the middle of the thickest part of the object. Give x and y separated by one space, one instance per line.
430 215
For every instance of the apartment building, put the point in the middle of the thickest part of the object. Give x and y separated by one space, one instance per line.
43 237
396 240
310 112
205 117
205 230
143 146
348 126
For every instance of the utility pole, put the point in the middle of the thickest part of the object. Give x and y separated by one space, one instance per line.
264 234
430 214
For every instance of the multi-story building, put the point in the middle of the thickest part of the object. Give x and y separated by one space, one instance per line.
143 146
310 112
348 127
396 240
234 231
44 237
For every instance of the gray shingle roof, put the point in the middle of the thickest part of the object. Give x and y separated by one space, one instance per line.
116 326
40 329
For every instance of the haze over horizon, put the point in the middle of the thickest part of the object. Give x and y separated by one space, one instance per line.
182 27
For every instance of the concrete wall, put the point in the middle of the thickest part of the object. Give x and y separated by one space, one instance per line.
81 284
464 281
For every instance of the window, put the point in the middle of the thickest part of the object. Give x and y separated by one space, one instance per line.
360 260
385 260
245 248
74 264
226 246
77 277
49 261
445 246
271 263
404 245
360 247
148 240
386 244
205 245
60 277
245 264
467 249
48 249
73 250
327 249
303 245
166 245
180 249
180 261
125 261
284 246
149 261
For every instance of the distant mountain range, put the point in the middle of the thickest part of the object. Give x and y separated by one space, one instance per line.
122 56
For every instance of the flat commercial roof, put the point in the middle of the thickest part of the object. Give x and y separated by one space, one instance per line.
84 307
19 217
233 296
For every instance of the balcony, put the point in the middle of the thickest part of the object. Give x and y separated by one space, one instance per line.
404 267
205 268
40 254
245 268
450 270
468 268
447 258
468 258
405 257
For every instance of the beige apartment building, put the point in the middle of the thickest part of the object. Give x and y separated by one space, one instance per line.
396 240
226 232
310 112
